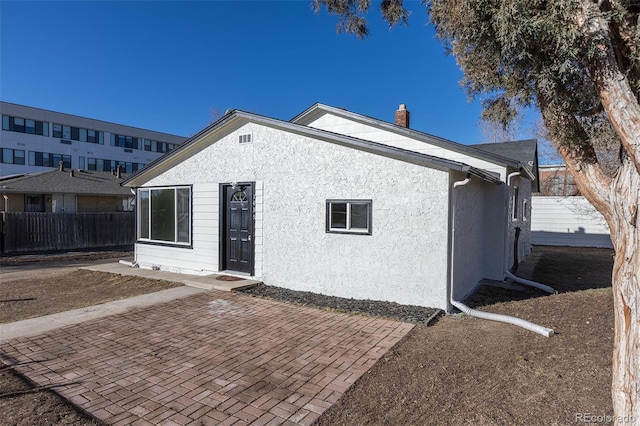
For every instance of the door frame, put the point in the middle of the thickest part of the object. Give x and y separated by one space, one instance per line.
222 225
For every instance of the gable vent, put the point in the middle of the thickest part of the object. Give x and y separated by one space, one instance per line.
246 138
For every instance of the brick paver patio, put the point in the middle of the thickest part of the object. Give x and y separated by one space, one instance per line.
212 358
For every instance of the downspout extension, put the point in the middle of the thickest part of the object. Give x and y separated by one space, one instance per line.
547 332
530 283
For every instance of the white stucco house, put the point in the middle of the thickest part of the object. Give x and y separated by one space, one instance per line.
337 203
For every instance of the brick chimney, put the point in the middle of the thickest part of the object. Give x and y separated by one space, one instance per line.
119 172
61 166
402 116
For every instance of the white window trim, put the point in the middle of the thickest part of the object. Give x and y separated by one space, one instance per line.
514 203
175 203
349 229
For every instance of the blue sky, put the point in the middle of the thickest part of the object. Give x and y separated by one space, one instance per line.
170 65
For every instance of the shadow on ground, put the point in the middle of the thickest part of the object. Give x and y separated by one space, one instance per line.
590 267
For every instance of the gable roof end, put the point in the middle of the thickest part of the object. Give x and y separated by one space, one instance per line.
524 151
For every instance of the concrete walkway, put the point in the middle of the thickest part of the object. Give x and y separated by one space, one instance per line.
43 324
207 282
203 357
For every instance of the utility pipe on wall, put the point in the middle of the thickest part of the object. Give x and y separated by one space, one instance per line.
547 332
515 278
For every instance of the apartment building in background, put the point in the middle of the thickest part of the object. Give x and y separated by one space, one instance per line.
35 140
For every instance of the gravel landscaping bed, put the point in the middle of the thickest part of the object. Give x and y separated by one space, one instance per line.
405 313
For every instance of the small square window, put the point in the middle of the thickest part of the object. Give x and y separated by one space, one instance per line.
349 216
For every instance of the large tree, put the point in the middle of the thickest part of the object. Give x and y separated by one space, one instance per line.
578 62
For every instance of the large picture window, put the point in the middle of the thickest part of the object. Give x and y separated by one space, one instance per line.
349 216
164 215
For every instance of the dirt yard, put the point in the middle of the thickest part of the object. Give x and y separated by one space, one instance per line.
465 370
460 370
23 298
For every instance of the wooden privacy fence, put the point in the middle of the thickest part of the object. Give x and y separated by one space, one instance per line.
34 232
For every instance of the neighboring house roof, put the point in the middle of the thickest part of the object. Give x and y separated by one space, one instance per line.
61 182
318 109
524 151
237 118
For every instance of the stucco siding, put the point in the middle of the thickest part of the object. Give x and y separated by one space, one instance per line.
479 235
404 260
348 127
495 231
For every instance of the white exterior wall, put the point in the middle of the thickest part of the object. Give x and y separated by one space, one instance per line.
568 221
479 234
336 124
405 260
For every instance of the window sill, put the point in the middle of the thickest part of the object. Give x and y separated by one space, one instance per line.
165 244
338 231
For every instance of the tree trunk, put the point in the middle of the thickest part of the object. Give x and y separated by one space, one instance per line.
625 389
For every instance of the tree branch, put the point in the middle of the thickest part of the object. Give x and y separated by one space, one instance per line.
614 90
577 150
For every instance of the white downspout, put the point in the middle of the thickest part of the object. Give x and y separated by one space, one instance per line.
547 332
515 278
512 175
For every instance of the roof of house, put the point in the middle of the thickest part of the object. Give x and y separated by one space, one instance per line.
318 109
524 151
236 118
61 182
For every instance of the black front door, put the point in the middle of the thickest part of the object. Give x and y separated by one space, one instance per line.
237 241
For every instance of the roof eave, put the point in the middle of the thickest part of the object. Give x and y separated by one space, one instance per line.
161 164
